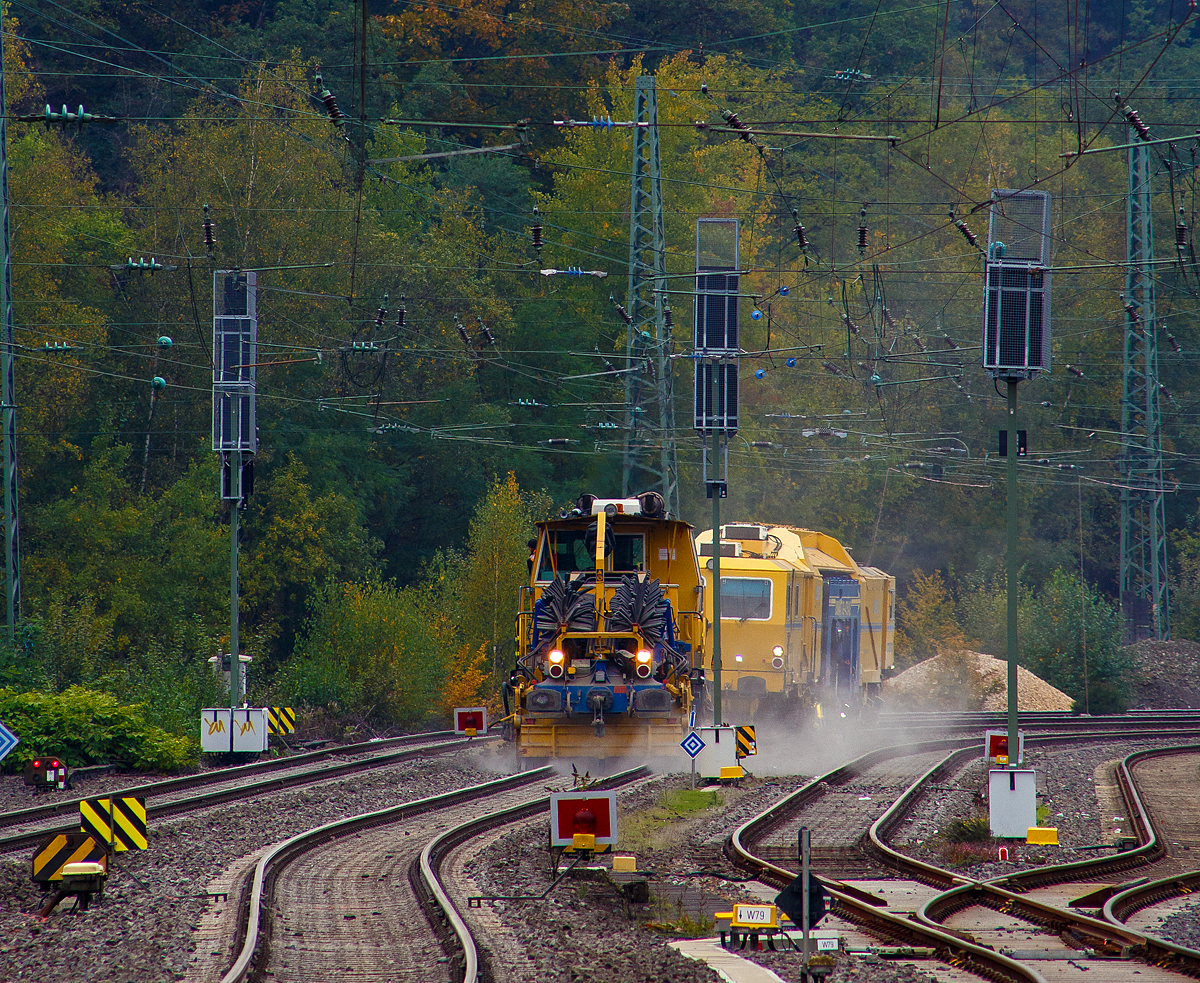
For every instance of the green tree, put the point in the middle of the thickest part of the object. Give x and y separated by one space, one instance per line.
1070 637
496 565
369 650
926 621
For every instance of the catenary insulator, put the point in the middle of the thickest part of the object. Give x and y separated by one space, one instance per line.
535 232
863 231
400 313
801 238
888 319
1174 343
381 313
668 318
329 101
1181 232
1134 120
967 234
210 237
1078 373
850 325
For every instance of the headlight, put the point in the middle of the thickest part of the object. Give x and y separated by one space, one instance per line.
777 650
556 655
643 655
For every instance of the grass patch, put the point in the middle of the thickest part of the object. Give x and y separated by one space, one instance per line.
977 830
649 829
684 927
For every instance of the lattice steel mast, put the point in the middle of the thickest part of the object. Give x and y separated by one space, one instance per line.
1143 515
650 458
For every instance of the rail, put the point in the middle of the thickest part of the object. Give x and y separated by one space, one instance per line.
437 848
255 936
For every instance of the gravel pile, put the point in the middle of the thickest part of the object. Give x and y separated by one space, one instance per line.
1067 792
918 682
1166 675
154 899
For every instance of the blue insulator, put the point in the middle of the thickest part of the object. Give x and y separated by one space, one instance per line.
158 382
756 315
783 291
790 363
760 373
875 379
165 342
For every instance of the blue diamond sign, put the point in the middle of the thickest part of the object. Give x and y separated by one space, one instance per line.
693 744
8 741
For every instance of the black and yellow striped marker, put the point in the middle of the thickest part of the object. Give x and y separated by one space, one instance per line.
281 720
121 823
746 744
61 849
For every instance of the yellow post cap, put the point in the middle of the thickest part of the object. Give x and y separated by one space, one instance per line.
88 869
1047 835
624 863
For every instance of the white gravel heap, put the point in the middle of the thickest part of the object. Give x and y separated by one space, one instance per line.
918 684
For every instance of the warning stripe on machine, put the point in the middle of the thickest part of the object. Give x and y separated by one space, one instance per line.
65 848
281 720
119 822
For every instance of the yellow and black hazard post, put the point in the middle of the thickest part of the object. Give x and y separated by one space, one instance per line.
281 720
119 822
746 744
60 849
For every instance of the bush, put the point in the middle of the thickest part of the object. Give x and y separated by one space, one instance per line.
975 830
371 650
84 727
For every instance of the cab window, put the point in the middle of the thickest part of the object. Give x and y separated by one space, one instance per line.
745 599
566 551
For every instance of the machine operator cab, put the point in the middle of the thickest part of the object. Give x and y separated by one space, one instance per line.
609 632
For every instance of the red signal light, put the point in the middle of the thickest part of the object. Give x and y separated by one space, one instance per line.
37 764
53 764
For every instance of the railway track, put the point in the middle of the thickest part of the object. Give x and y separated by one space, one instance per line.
365 896
168 797
945 900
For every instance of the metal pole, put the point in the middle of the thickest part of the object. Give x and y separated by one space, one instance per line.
12 550
714 488
805 849
235 491
1011 574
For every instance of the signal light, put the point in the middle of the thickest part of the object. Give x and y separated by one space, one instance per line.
777 650
556 655
643 655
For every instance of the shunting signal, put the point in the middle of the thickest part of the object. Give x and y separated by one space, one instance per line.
281 720
121 822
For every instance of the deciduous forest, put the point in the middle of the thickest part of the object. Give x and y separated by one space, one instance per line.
425 392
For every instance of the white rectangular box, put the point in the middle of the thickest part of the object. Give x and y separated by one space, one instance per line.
720 750
215 733
250 729
1012 801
